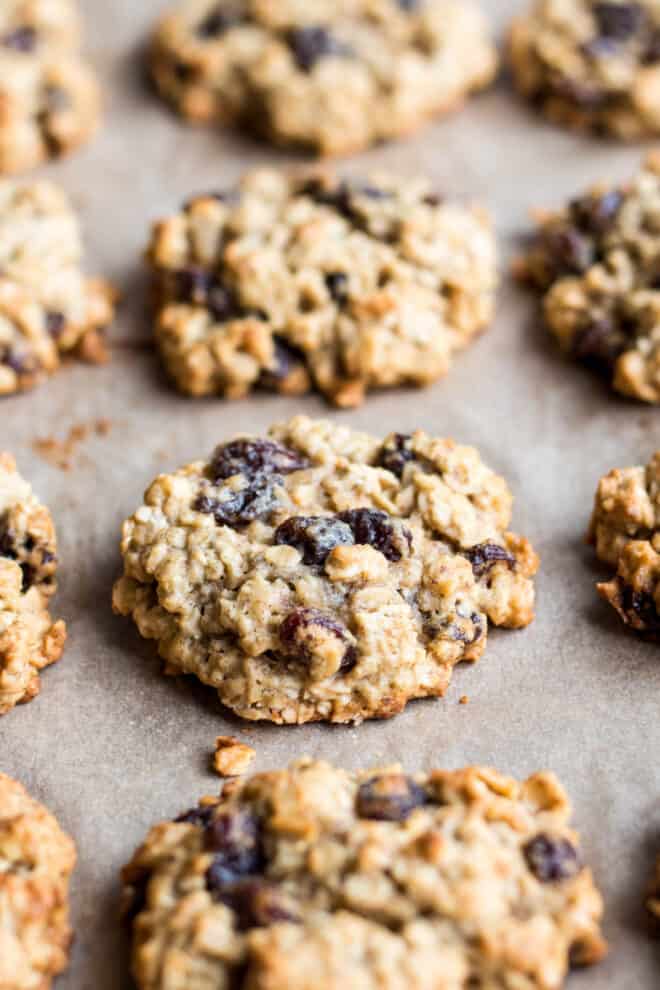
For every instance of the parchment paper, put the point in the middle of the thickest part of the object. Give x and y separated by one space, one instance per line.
111 746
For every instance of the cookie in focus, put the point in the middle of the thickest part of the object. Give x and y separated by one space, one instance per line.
324 574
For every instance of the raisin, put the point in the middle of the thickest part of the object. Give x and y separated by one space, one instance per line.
287 360
201 815
340 197
314 536
257 904
395 453
409 5
255 456
337 285
20 363
22 39
197 286
310 44
641 609
484 556
238 508
432 199
551 859
301 628
600 343
569 251
235 839
376 529
217 22
462 632
389 798
55 323
596 214
136 900
619 21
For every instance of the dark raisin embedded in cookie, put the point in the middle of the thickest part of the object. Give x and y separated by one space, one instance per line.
314 636
310 44
639 609
484 556
337 285
258 904
595 214
551 859
235 839
55 324
217 22
389 798
376 529
251 457
231 507
288 361
22 39
395 453
619 21
314 536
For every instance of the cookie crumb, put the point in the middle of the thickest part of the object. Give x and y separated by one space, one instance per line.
60 453
232 757
464 700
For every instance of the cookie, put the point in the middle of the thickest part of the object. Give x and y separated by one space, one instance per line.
48 308
595 263
314 876
29 639
49 98
333 76
325 574
591 64
36 861
625 530
288 282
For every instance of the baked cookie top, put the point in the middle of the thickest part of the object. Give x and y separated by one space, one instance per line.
48 307
287 282
50 98
625 530
325 574
596 263
29 639
36 861
591 63
330 75
317 876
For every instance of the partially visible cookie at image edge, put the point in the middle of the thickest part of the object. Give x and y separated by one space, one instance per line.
625 530
29 638
36 861
595 263
49 97
324 574
49 309
314 876
292 282
591 64
333 76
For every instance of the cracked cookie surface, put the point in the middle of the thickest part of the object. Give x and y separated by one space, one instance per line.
325 574
29 639
49 98
596 263
287 283
48 308
625 530
36 861
314 876
330 75
591 64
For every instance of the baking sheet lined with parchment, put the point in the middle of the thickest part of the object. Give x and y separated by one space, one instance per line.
110 745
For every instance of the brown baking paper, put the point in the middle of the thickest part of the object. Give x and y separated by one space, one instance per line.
111 746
